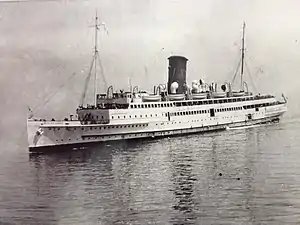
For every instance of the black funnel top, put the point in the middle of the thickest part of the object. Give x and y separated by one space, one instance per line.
177 72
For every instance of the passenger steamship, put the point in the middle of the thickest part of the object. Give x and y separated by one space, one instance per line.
172 109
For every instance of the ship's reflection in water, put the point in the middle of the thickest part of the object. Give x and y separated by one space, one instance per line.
183 186
218 178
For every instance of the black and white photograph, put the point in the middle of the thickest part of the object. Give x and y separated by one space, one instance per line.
136 112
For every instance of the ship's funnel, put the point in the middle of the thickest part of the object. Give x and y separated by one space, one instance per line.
177 72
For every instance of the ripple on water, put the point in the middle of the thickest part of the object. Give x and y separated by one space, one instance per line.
235 177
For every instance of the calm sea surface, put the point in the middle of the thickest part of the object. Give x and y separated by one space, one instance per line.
249 176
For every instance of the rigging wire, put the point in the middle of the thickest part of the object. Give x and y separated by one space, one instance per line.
52 95
94 62
87 80
251 79
236 71
102 71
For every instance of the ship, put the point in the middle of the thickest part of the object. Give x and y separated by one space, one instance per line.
174 108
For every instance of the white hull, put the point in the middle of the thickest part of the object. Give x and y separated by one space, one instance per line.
54 134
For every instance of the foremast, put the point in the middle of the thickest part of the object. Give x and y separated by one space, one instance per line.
243 56
95 59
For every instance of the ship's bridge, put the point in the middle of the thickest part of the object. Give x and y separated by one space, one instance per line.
116 98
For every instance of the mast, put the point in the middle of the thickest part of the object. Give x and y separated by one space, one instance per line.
243 55
95 55
94 64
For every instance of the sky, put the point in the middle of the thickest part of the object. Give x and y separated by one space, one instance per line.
42 43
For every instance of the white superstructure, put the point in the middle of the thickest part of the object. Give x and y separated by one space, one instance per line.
172 109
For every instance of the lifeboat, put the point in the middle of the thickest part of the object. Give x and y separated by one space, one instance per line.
199 95
238 93
151 98
219 94
176 97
